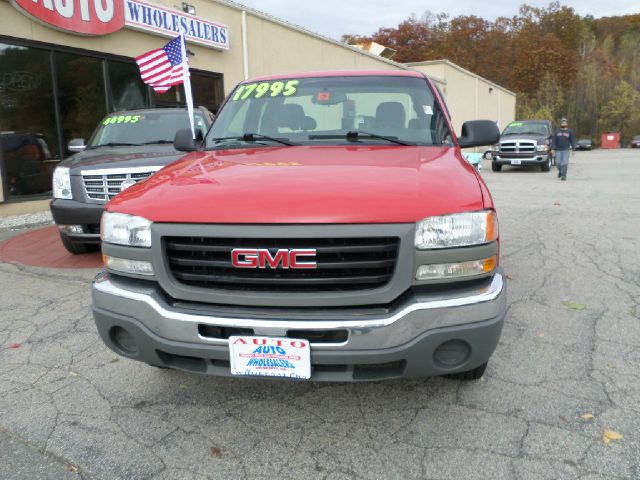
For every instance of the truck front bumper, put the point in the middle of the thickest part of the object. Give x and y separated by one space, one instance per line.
425 334
84 216
518 160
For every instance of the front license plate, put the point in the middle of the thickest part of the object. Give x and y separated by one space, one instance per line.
270 356
516 162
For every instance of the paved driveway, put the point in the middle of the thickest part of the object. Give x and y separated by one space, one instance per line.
560 399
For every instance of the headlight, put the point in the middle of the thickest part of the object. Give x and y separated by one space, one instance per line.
125 229
62 183
542 148
495 148
457 230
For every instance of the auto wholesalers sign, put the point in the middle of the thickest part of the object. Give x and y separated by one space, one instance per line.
102 17
169 22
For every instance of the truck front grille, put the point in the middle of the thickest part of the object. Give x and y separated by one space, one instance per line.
518 146
103 186
342 263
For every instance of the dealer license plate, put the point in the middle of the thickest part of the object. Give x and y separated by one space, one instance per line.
516 162
270 356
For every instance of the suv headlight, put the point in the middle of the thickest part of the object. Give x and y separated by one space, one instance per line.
62 183
542 148
123 229
495 148
457 230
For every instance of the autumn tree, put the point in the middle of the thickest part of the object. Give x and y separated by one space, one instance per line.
622 112
559 63
543 55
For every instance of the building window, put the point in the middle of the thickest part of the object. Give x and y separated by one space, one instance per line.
81 95
125 87
207 88
28 135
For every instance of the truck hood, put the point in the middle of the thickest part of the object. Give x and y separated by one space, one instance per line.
307 184
121 157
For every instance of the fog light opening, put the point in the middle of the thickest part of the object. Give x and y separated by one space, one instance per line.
123 340
71 228
452 354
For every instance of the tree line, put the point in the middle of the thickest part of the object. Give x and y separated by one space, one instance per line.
560 64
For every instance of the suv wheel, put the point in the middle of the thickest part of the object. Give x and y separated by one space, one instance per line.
496 167
546 166
475 374
77 248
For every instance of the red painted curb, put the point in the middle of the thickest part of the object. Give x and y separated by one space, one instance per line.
43 248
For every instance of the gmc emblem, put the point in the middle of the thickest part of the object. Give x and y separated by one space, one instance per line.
283 258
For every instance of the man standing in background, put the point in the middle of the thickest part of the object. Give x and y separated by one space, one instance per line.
563 140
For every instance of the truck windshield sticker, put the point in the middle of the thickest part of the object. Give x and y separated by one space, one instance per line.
270 89
515 124
122 119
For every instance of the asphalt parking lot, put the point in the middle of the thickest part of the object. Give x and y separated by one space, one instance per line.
560 399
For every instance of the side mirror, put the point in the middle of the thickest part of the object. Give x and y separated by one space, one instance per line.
184 142
76 145
477 133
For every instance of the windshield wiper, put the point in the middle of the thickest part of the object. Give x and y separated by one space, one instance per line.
117 144
152 142
353 136
254 137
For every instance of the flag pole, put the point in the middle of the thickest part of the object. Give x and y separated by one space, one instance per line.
186 78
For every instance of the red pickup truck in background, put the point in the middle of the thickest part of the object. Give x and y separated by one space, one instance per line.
327 228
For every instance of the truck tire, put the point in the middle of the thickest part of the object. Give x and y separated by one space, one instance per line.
546 166
475 374
496 167
77 248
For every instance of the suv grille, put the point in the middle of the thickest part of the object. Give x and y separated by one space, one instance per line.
342 263
518 146
104 187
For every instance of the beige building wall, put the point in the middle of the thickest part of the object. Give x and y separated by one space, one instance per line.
469 96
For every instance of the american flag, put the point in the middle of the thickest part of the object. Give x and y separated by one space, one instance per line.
163 67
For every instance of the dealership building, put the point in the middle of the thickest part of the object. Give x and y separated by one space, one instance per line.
65 64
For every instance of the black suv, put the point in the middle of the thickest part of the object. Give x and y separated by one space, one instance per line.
125 148
525 142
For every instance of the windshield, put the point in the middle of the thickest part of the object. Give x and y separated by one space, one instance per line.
144 128
527 128
330 111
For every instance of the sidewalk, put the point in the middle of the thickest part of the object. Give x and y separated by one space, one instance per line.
23 214
23 208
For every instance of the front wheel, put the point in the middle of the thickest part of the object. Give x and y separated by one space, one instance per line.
77 248
496 167
546 166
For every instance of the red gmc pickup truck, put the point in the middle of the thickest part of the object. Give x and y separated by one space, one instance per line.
327 228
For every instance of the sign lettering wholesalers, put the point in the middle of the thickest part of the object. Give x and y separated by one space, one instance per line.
102 17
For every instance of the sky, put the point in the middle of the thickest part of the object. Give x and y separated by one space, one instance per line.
363 17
